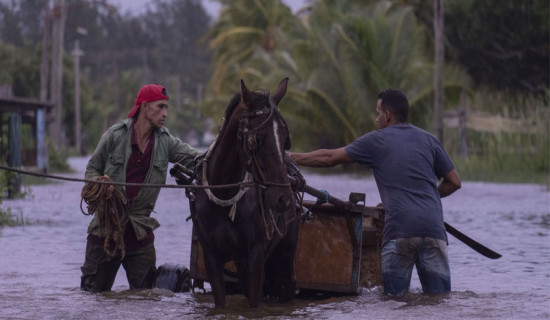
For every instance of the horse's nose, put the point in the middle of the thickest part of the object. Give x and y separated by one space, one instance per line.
284 203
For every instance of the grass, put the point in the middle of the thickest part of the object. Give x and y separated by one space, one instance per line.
58 163
479 169
8 219
514 155
506 157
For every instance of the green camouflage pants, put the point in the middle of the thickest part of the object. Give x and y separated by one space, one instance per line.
98 274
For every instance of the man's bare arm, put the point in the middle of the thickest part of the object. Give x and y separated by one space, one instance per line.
321 157
451 182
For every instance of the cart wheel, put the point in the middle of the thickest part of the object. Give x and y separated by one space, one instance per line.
173 277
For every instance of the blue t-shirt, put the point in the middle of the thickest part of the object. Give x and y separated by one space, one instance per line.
407 163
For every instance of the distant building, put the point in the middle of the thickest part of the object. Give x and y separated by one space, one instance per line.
18 117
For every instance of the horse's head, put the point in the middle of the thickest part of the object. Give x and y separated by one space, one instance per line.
264 137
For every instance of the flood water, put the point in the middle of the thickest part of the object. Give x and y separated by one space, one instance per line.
40 262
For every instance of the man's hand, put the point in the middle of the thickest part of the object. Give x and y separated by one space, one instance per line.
451 182
110 188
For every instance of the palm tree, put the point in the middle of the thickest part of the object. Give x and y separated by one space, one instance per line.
339 56
246 43
352 52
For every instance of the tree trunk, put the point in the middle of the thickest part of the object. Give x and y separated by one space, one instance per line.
438 74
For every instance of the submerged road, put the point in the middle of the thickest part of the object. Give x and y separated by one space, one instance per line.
40 262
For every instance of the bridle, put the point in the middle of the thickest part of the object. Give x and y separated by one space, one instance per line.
249 139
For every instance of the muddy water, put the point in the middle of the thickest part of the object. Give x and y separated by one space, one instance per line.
40 262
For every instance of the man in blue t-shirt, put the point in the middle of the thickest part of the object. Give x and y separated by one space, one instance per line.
407 163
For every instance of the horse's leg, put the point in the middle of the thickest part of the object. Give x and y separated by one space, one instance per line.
214 270
255 274
242 271
279 274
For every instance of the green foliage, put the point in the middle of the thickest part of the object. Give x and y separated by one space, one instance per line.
121 53
5 217
508 169
338 55
5 213
502 44
251 41
3 183
19 67
19 22
247 30
7 61
57 160
26 73
338 59
9 219
522 155
358 53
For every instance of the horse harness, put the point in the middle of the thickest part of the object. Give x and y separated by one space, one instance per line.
249 138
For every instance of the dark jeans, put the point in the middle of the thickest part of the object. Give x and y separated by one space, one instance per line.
98 274
431 260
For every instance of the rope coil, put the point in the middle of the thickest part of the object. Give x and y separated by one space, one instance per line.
110 206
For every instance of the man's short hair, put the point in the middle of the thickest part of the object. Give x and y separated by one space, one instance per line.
396 102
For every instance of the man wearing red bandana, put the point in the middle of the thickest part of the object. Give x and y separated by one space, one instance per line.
135 150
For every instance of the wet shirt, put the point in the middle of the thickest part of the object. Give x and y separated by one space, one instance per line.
407 163
136 171
138 164
112 157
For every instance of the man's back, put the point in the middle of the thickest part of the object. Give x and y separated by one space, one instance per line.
406 162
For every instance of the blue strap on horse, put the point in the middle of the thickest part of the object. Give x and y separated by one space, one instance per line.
325 199
307 214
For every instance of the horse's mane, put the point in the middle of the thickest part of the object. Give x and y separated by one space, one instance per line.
232 105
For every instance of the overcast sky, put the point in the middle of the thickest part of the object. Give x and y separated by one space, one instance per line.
211 6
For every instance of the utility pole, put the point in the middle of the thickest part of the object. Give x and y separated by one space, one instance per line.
42 150
438 24
56 81
45 64
77 53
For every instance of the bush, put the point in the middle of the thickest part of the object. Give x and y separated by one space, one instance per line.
57 160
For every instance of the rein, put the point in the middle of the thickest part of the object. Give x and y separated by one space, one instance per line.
115 183
247 135
222 202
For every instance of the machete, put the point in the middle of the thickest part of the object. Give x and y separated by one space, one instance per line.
325 196
472 243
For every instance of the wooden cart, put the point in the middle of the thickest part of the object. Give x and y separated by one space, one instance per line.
338 248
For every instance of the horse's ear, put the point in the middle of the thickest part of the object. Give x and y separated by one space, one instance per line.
245 95
280 92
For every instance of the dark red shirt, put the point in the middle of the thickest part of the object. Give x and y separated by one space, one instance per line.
138 164
136 171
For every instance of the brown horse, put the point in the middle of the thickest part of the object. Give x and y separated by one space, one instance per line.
253 224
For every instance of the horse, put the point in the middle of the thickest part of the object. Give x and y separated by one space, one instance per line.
252 222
